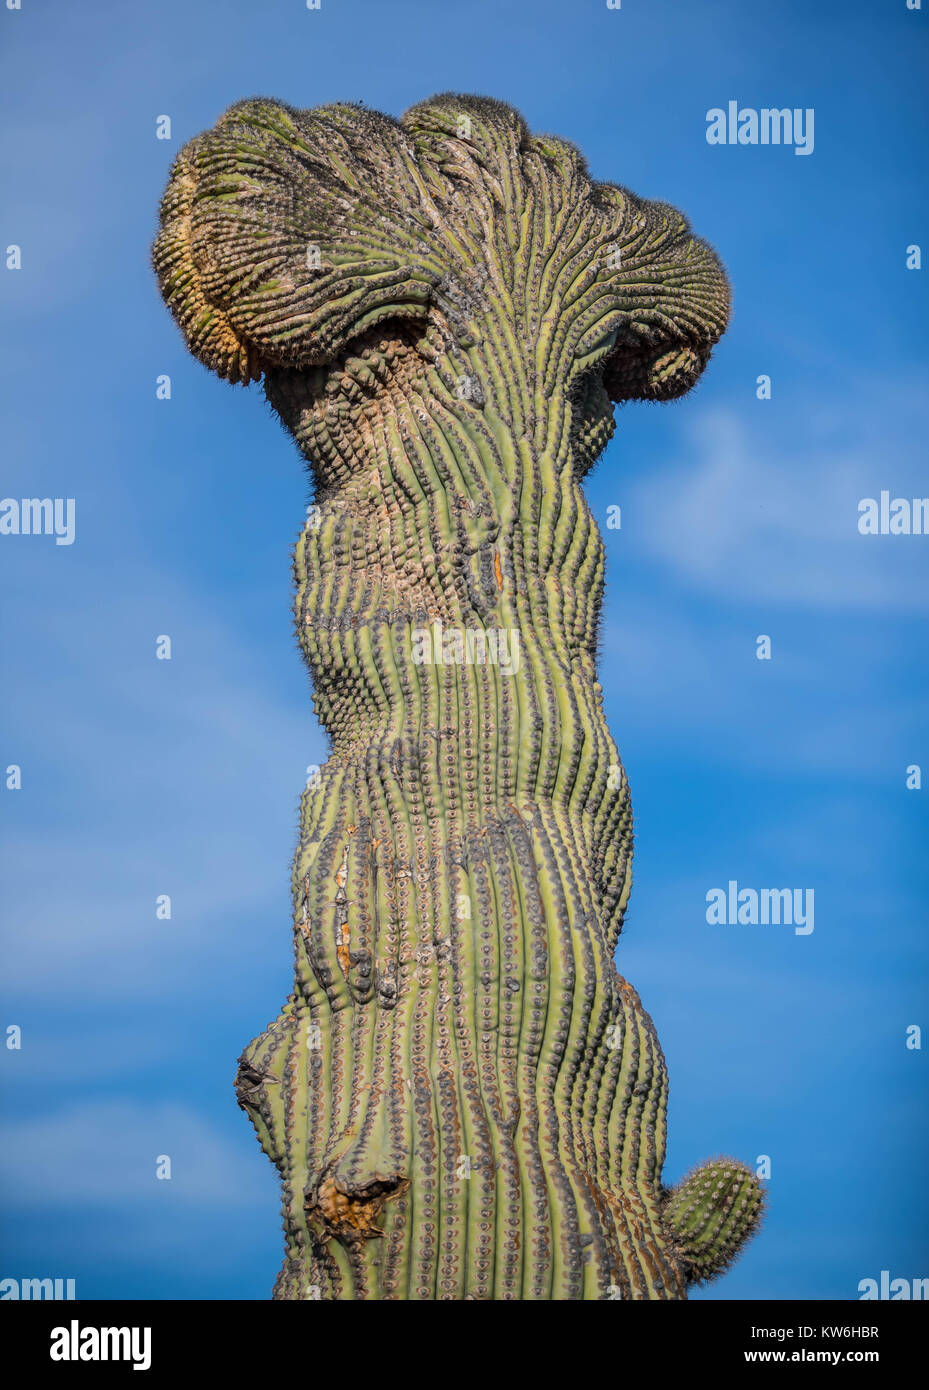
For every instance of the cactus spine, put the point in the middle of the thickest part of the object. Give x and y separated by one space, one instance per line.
462 1096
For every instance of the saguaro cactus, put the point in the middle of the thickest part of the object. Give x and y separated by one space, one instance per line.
462 1096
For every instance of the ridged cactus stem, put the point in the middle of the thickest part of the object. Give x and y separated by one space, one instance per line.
462 1096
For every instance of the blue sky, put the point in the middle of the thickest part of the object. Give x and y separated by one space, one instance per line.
739 518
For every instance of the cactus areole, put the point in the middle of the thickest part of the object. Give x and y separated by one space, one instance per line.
462 1096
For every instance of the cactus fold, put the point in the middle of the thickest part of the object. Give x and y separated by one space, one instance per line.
463 1097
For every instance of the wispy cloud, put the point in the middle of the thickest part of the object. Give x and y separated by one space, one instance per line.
144 778
756 516
105 1152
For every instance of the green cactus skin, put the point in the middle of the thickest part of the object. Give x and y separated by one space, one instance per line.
463 1098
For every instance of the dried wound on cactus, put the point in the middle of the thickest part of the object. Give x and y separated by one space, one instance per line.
462 1096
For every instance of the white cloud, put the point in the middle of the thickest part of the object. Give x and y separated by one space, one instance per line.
105 1152
144 778
753 518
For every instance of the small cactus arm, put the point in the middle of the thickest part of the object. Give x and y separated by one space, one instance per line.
463 1097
